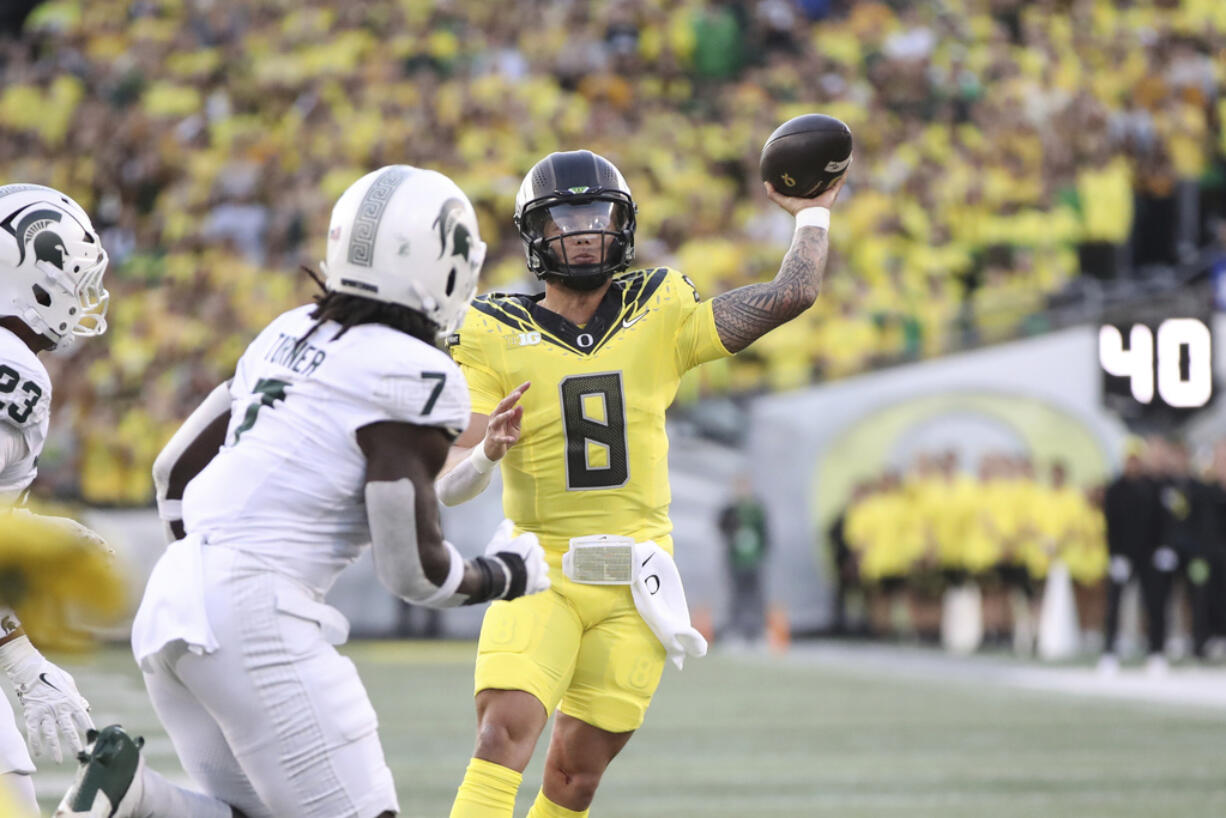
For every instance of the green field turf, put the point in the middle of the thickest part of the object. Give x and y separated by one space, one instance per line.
745 735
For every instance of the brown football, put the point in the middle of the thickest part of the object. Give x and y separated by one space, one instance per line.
806 155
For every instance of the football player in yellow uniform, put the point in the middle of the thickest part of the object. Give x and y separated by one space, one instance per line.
584 465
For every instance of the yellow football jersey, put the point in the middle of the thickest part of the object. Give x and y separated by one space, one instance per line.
593 455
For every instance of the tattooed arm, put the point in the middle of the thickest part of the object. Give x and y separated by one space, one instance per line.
747 313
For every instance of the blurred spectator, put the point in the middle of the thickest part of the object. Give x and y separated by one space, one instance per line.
1187 531
719 47
13 14
746 543
815 9
1217 264
1103 187
843 559
1216 550
1133 526
882 530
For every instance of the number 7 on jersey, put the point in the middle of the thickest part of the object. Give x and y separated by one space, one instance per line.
269 390
441 377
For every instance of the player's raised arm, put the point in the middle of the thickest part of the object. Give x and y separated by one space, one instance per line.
471 462
411 557
187 453
747 313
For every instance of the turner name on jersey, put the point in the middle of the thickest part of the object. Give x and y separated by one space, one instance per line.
288 352
290 479
25 406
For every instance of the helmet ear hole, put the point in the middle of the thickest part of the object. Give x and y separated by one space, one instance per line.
42 296
450 282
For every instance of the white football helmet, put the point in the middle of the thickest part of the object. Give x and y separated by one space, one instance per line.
406 236
51 264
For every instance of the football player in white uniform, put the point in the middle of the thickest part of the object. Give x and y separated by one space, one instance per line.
331 434
51 266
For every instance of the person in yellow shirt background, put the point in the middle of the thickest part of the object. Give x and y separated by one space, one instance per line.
1006 514
884 533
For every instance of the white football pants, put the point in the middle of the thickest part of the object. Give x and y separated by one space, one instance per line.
14 753
275 722
15 763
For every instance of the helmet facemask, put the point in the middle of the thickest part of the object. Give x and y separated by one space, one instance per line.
86 296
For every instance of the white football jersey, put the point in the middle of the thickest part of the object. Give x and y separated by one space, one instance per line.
25 406
290 481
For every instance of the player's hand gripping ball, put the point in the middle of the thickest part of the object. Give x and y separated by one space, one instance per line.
806 155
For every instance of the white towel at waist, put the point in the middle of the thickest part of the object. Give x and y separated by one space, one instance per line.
191 576
173 605
660 599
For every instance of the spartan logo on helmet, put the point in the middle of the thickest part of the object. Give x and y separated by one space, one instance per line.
34 228
450 227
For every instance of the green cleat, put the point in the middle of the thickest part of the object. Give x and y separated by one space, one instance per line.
108 783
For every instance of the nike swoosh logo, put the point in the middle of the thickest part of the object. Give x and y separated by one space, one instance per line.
626 324
43 677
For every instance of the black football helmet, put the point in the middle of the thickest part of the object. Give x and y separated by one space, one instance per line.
575 215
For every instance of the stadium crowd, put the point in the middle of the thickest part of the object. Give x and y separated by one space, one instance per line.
904 540
1001 148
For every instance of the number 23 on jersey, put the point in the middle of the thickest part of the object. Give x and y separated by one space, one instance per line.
18 399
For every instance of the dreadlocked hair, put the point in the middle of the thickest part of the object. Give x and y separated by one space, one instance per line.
351 310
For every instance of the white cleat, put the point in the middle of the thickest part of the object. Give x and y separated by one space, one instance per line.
108 783
1156 666
1108 665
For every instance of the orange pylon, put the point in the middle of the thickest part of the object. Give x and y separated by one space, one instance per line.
778 632
702 622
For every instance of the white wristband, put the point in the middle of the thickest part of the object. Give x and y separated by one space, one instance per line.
813 217
480 462
445 596
19 660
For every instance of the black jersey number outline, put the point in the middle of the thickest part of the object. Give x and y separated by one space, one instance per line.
18 410
581 430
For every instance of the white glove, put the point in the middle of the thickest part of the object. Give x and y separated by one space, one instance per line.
522 558
49 697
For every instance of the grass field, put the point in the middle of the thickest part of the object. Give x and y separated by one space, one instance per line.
747 735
